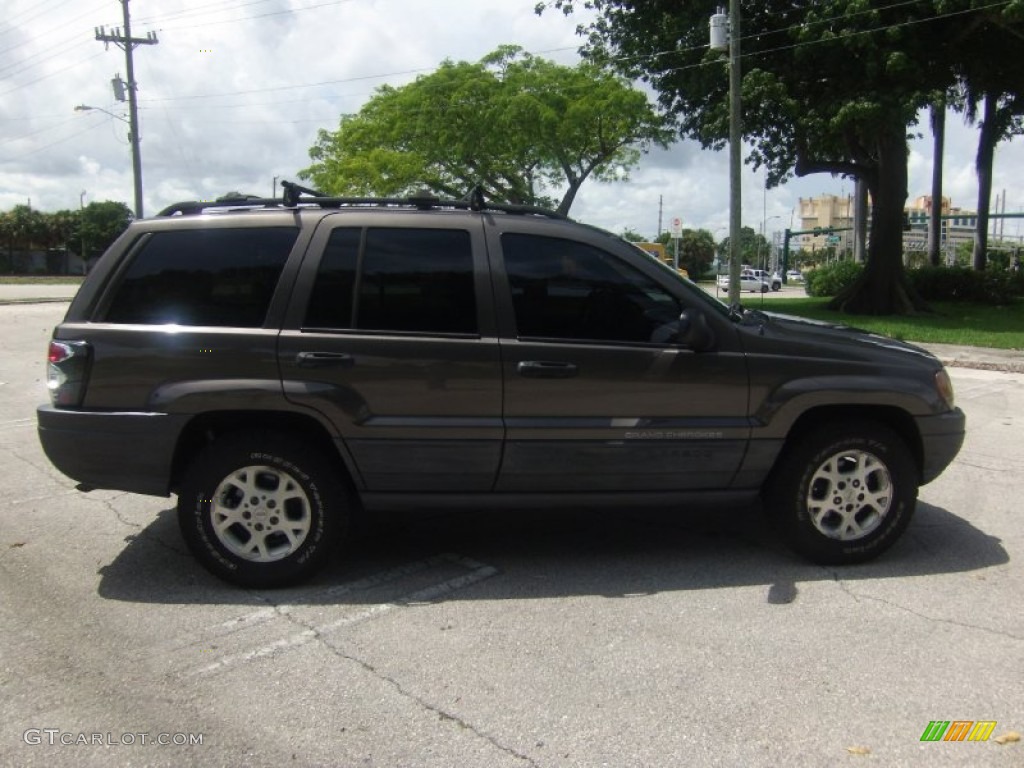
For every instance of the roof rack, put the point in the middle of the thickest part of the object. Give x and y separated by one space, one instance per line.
293 196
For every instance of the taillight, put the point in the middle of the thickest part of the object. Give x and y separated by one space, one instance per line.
66 370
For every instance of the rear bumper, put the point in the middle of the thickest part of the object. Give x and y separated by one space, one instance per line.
123 451
941 438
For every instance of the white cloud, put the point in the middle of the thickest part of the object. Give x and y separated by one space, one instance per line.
233 94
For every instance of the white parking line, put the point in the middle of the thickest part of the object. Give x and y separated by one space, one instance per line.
476 572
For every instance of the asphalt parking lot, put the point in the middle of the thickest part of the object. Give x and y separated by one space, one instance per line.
624 638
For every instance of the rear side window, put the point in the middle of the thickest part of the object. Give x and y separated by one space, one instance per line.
215 277
400 280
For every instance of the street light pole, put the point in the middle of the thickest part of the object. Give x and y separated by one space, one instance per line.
136 160
764 237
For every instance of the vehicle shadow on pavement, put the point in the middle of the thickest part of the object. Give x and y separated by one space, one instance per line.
547 554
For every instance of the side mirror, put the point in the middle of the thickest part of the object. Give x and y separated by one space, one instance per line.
694 331
690 330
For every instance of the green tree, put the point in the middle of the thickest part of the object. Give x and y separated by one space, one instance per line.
23 229
753 247
99 225
516 124
59 228
828 87
991 77
696 251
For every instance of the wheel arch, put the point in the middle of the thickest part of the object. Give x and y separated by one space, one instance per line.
896 419
205 428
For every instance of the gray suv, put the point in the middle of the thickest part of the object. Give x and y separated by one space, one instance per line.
281 365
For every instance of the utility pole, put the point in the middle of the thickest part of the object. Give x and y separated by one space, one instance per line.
725 36
735 152
127 43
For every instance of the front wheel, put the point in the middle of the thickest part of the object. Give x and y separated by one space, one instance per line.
261 509
845 493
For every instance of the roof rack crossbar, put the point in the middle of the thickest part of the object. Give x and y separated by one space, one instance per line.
294 195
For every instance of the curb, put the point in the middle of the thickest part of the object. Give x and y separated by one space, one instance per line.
51 300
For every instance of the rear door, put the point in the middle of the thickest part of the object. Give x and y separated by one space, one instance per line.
596 396
389 339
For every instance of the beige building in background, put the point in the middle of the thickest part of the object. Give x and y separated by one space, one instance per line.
827 211
836 211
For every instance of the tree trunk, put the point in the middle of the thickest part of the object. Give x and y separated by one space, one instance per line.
883 288
987 138
569 197
934 221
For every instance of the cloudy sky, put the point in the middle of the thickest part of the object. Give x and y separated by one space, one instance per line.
234 92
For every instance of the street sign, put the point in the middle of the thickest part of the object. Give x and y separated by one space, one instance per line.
677 228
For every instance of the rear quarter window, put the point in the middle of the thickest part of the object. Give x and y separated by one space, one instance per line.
211 277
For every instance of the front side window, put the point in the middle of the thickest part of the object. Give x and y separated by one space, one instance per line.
564 289
397 280
211 277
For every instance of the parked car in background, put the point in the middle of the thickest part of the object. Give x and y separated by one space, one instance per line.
748 282
774 281
794 276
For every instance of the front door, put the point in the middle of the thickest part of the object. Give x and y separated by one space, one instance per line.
597 397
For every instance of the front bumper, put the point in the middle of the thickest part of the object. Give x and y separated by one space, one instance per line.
941 438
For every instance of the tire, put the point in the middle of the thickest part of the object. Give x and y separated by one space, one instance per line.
261 509
843 494
764 288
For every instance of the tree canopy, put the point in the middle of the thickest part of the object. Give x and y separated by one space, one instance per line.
990 73
88 231
831 86
521 127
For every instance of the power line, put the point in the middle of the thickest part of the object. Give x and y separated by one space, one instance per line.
37 150
285 12
208 9
75 65
13 22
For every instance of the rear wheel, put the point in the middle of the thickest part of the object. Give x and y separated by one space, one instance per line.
261 509
845 493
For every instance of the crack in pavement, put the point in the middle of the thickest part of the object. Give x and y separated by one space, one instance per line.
932 619
442 714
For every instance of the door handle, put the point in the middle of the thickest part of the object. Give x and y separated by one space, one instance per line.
324 360
543 369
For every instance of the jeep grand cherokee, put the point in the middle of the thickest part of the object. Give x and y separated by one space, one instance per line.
282 364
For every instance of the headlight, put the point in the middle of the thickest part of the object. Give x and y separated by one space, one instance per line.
944 387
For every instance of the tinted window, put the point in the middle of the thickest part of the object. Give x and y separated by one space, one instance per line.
563 289
221 277
408 280
330 305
